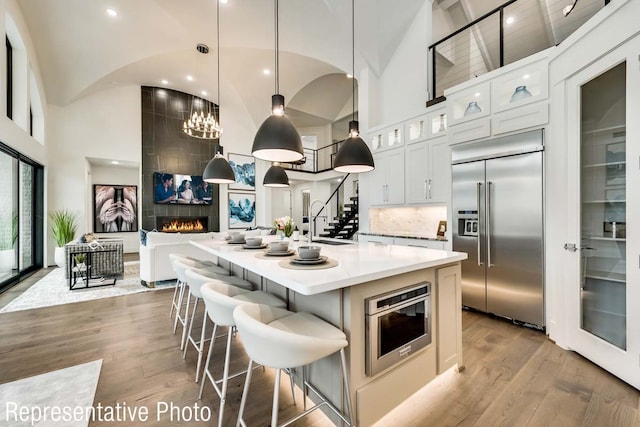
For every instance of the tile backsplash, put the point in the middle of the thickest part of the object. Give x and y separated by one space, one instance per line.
418 221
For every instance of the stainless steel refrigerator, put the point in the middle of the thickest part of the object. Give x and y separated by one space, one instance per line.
497 191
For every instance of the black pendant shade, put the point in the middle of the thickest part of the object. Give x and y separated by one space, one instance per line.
218 171
354 155
277 140
276 177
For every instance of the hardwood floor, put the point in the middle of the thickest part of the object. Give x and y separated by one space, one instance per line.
514 376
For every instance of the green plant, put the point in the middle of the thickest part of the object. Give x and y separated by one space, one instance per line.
80 258
8 231
63 226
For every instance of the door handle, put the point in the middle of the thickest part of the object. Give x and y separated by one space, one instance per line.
426 196
429 189
489 183
479 190
571 247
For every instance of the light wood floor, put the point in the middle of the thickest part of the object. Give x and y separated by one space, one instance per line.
514 376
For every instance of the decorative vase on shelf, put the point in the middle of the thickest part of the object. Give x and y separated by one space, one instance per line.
520 93
472 108
443 122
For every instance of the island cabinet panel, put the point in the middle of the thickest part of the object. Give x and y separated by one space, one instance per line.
448 311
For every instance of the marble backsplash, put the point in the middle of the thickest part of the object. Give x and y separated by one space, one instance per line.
422 220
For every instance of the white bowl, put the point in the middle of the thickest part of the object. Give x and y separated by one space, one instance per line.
278 246
309 252
253 241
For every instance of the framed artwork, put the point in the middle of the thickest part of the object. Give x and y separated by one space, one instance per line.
244 168
115 208
242 210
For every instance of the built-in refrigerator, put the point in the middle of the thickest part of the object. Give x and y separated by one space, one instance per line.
497 200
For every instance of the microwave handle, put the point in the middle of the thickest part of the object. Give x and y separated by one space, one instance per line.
479 190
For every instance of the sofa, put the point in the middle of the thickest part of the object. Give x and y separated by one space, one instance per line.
155 248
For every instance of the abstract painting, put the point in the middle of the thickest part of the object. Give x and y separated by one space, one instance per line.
244 168
115 208
242 210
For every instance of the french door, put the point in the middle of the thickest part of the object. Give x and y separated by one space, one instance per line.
603 276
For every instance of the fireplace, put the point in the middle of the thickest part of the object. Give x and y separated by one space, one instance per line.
182 224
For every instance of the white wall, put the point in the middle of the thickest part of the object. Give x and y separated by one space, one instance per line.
104 125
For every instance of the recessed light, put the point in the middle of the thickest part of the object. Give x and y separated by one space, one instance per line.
224 1
477 94
164 81
526 76
204 92
115 162
349 76
190 78
266 72
510 20
112 12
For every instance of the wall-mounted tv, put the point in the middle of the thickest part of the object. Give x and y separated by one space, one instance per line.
170 188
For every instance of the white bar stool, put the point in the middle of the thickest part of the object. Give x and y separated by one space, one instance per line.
282 339
220 300
181 284
178 293
195 278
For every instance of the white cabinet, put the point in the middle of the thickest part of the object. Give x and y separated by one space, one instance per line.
385 240
386 138
416 129
428 175
387 179
422 243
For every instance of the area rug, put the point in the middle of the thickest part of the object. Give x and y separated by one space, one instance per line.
35 401
53 289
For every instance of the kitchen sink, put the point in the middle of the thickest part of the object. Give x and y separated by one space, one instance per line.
331 242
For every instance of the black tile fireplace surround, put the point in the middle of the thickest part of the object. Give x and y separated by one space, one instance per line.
182 224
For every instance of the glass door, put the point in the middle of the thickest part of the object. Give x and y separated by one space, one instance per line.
603 207
8 217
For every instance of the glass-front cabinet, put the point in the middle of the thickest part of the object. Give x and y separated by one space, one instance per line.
603 204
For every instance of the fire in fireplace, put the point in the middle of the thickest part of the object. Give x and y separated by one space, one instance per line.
170 224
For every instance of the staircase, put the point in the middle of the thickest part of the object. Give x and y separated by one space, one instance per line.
345 225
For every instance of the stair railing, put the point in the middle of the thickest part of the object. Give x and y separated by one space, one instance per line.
334 206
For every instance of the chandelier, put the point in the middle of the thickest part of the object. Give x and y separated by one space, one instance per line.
199 125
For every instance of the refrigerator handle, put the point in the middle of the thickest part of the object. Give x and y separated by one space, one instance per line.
478 236
489 265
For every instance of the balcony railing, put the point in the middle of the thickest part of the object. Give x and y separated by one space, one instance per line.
315 161
512 31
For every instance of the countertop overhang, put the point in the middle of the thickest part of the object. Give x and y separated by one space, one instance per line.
359 262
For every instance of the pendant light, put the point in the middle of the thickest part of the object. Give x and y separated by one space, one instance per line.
218 170
276 176
277 140
354 155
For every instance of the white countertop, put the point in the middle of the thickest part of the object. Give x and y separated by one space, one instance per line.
358 263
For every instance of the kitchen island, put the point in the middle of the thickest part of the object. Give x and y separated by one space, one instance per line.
338 294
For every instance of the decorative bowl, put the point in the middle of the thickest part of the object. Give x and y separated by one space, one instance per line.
253 241
309 252
278 246
237 238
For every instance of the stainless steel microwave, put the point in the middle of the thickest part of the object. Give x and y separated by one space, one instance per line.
397 324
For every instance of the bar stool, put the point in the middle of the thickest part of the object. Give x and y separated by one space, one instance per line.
195 279
220 300
181 284
282 339
178 292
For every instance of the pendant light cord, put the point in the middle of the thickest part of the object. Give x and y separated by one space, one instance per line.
277 47
218 51
353 58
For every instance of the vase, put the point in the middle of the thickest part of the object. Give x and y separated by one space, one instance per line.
281 235
472 108
520 93
60 256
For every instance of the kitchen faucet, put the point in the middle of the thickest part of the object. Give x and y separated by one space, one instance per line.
312 218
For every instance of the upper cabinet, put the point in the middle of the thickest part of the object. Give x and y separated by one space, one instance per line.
416 129
387 179
521 86
386 138
510 99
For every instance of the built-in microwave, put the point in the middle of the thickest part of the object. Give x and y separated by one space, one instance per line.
397 324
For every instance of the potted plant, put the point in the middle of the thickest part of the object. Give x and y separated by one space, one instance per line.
63 227
8 239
